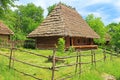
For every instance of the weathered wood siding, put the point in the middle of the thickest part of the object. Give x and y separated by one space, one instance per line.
46 42
51 42
82 41
67 42
4 37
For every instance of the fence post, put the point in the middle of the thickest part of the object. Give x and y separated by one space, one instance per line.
11 51
53 65
80 65
13 54
117 52
76 62
111 55
104 53
92 56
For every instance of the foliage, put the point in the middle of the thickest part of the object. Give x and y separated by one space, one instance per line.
10 19
4 5
71 49
29 44
29 17
23 20
4 70
114 31
50 8
61 45
98 26
110 68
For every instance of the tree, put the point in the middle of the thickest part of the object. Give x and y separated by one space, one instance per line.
4 5
98 26
114 31
11 20
28 17
23 20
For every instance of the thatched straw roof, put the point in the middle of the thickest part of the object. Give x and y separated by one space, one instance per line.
4 30
63 21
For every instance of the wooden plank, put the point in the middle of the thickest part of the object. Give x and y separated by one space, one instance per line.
80 61
76 62
10 60
72 41
92 57
86 47
53 66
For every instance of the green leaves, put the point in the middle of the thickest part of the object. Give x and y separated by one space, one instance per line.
98 26
61 45
23 20
5 5
50 8
30 17
114 31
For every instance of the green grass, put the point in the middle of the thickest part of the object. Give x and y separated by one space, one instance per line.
91 72
6 73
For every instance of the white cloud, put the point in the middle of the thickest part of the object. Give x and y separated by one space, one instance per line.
117 5
85 3
116 19
80 5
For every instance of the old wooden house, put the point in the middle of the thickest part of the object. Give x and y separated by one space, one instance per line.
65 22
5 32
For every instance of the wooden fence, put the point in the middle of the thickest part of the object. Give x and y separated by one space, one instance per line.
78 63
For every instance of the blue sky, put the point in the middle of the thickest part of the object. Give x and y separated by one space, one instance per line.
108 10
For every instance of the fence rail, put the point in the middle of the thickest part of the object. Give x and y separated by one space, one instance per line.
78 63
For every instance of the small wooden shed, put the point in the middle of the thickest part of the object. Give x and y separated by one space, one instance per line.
65 22
5 32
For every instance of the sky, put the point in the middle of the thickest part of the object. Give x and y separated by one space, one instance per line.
108 10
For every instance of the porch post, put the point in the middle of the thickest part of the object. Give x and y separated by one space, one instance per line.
92 41
72 41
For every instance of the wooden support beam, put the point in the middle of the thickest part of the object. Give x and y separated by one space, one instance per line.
72 41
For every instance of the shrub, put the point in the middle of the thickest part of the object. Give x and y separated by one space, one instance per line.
71 49
61 45
29 44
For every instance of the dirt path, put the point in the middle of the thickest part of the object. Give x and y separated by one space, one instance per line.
108 77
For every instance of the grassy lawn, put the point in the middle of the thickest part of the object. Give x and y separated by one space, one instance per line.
91 72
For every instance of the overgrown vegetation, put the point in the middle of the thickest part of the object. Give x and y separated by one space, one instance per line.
30 44
98 26
61 45
6 73
71 49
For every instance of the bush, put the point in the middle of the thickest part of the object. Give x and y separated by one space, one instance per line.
61 45
29 44
71 49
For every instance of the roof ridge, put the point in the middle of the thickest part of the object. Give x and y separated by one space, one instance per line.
63 21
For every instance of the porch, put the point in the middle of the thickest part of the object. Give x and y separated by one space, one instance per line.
86 47
80 43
